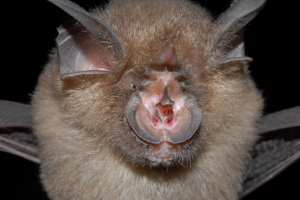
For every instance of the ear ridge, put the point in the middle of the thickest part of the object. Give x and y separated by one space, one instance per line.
241 59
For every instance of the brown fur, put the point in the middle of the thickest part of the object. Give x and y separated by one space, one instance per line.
85 147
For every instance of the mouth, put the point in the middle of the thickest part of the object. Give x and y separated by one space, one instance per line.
159 160
162 156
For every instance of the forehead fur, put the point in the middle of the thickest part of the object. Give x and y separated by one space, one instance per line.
146 27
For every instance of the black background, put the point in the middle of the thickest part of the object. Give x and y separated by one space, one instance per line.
28 31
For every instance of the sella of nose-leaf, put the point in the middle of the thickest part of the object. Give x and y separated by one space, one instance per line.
164 109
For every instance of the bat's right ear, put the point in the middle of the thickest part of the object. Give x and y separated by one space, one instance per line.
85 44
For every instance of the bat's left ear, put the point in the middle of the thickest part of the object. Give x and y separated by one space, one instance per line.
231 23
235 50
85 44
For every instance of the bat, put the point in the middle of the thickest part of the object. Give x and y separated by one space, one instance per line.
133 109
196 141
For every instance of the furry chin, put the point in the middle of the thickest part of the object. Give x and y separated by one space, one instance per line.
164 156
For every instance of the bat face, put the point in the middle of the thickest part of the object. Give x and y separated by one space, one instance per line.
139 94
162 114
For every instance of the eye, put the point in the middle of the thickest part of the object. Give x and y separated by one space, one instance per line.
134 86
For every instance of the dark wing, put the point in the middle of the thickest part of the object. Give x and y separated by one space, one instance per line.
278 148
15 130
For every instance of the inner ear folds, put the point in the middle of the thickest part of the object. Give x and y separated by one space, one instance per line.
81 53
85 44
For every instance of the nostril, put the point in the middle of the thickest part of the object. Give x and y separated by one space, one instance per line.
163 112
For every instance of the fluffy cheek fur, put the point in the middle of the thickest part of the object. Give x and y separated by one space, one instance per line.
231 108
